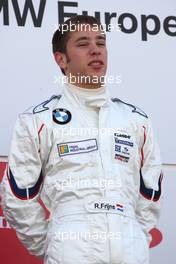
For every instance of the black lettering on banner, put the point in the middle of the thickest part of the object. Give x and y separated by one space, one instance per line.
108 17
85 13
145 29
62 14
28 6
150 24
167 25
97 16
134 24
5 7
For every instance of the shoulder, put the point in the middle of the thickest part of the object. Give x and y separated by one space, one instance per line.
43 106
40 114
130 109
135 117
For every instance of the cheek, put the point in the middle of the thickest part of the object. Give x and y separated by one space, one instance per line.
77 66
105 55
78 57
79 61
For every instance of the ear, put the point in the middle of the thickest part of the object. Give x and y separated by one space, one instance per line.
61 59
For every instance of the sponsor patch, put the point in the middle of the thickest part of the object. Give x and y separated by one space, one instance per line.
121 158
61 116
77 147
63 149
122 147
117 148
124 142
122 150
122 135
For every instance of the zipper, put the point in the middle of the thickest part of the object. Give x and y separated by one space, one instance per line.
104 176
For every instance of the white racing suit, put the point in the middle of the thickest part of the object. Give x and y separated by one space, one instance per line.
97 169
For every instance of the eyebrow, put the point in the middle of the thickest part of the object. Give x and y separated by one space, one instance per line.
100 37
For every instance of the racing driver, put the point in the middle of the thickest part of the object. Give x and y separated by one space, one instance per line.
91 159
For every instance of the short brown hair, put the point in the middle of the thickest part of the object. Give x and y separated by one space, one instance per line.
60 37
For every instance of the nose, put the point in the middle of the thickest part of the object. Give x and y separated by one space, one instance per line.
94 49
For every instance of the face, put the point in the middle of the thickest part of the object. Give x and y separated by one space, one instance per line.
86 55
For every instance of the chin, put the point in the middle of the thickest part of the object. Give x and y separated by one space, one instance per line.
97 79
97 74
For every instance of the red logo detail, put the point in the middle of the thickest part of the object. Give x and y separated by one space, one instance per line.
157 237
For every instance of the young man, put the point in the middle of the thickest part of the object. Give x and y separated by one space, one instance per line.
91 159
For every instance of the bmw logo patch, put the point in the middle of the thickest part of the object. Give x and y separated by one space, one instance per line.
61 116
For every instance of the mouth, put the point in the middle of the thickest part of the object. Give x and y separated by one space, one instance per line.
96 63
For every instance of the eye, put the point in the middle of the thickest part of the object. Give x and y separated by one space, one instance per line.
82 44
100 43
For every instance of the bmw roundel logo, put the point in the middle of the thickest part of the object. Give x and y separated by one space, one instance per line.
61 116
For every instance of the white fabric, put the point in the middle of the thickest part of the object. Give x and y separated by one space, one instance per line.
92 160
90 97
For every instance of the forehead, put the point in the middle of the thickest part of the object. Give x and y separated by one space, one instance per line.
86 31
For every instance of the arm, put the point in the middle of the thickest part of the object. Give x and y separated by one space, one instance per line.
149 204
22 185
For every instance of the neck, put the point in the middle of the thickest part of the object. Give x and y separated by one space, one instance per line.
88 85
87 97
81 82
